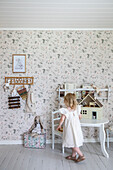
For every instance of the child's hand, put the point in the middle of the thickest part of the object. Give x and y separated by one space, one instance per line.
60 123
58 128
80 116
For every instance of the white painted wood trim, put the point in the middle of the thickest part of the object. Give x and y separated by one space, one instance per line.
58 29
17 142
11 142
82 89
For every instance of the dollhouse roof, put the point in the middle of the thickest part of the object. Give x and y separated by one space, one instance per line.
90 98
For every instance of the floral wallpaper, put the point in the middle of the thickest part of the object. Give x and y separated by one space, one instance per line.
53 57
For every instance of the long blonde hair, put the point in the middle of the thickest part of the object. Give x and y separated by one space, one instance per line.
70 100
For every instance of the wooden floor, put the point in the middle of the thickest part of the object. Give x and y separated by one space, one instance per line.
16 157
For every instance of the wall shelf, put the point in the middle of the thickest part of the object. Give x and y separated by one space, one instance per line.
19 80
85 89
82 89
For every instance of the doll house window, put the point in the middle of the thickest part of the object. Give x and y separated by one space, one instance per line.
94 115
84 112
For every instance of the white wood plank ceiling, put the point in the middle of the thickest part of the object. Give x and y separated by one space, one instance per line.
56 14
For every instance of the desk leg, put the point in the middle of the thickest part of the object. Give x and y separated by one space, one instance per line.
102 141
53 139
107 131
63 149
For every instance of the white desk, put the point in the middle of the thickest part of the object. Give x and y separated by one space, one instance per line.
84 123
99 124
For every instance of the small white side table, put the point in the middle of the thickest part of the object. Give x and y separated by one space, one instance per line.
99 124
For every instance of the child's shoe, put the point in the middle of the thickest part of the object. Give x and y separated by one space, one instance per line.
80 158
70 157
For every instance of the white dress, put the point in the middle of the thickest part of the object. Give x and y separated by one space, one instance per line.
72 132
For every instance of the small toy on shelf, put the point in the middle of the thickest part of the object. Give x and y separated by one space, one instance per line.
84 93
70 86
61 92
92 104
96 89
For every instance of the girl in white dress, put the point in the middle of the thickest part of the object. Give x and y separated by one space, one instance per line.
72 133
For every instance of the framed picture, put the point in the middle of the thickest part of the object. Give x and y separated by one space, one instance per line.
19 63
70 86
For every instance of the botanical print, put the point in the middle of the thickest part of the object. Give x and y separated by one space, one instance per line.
54 57
19 63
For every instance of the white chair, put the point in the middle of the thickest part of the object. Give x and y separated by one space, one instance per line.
108 131
55 116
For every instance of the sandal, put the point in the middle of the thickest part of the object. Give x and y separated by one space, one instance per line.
70 157
80 158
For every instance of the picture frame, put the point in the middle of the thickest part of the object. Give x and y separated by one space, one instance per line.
18 63
70 86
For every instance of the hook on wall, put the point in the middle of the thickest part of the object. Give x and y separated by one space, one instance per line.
19 80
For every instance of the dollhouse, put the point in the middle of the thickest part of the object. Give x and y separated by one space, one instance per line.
91 108
88 97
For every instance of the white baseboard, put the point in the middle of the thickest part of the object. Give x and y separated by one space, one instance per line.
17 142
11 142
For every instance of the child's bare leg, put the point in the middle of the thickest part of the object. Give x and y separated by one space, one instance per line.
73 152
76 149
72 156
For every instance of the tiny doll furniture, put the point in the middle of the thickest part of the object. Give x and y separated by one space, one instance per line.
108 132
